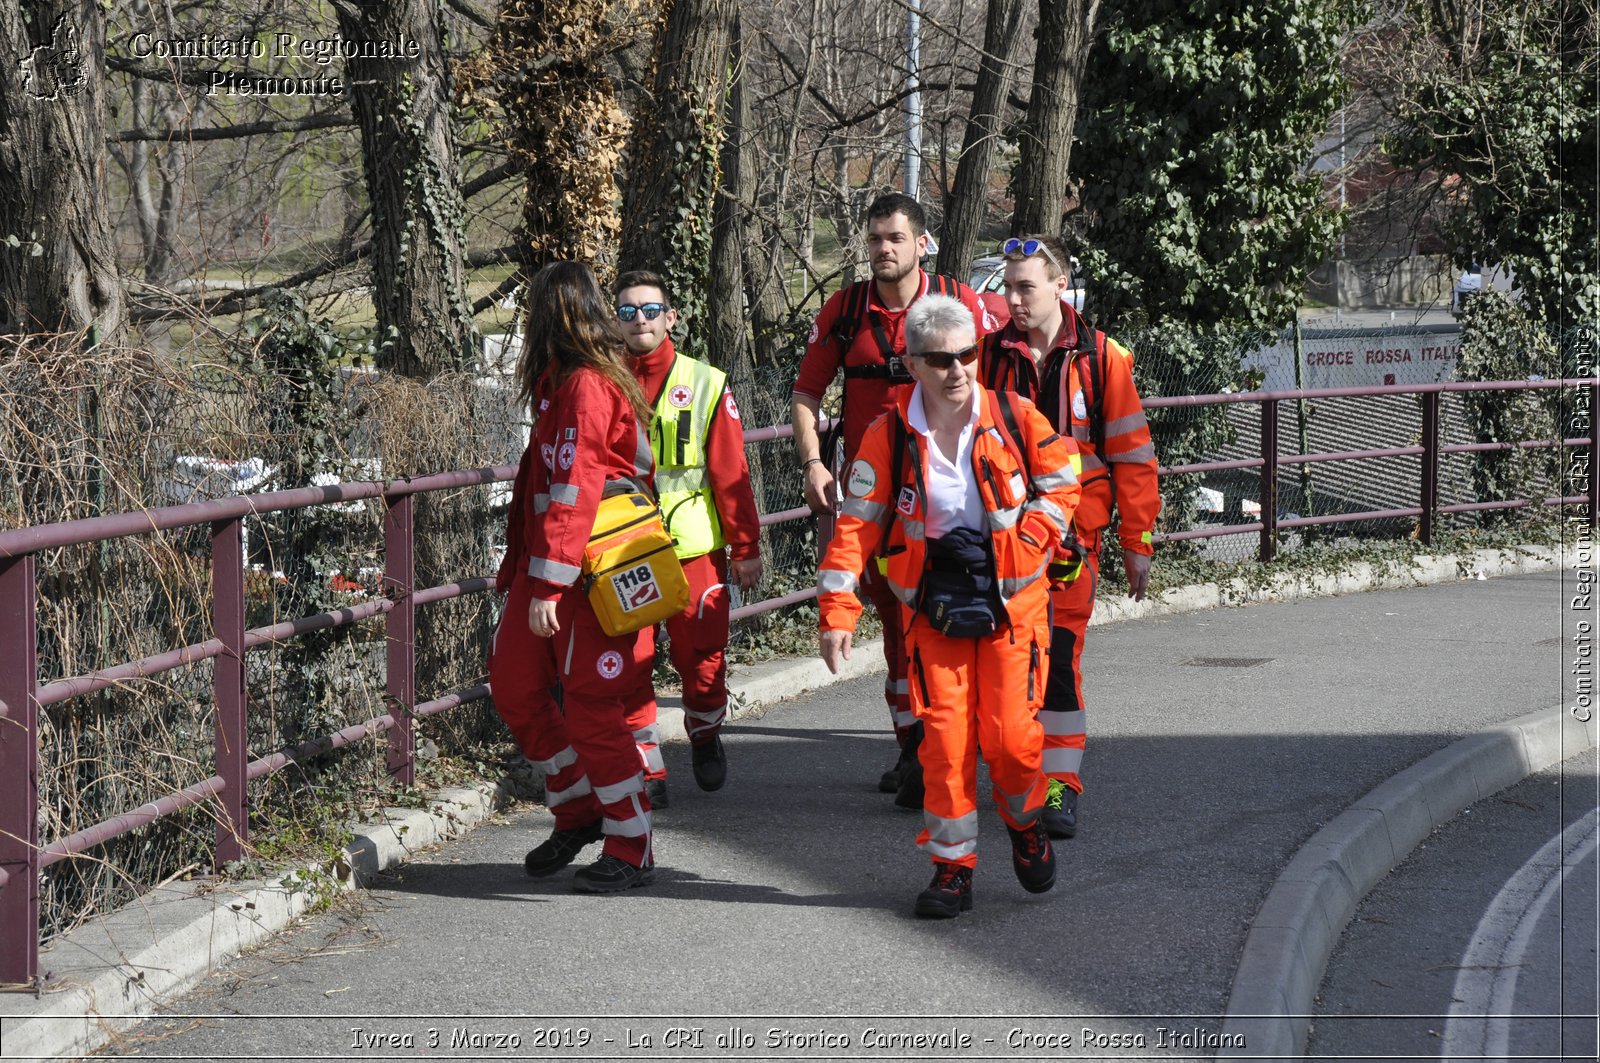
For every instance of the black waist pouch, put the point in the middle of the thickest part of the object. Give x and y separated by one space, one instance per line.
959 594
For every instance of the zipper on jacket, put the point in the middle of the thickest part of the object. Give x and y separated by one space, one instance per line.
922 680
988 474
1033 667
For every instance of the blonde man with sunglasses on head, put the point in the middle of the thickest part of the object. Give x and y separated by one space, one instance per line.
1083 382
965 494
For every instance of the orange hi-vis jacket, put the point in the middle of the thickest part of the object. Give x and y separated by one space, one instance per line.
1088 376
1024 531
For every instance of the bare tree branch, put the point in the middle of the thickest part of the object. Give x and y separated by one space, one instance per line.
326 120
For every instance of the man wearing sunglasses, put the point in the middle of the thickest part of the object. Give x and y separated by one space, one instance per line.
860 331
1083 382
709 507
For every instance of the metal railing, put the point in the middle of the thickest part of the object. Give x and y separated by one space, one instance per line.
23 857
1427 510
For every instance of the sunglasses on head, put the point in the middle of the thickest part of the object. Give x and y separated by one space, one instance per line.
627 311
1029 248
945 359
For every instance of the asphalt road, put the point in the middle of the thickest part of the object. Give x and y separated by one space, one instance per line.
1492 917
1218 743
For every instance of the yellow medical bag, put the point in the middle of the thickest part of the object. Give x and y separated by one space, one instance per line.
630 570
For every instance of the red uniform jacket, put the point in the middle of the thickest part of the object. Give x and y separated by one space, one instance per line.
585 436
826 354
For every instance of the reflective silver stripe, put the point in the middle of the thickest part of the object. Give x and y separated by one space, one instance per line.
1118 425
1080 432
566 494
709 716
951 839
556 763
832 580
637 826
648 736
1091 461
1017 804
1051 481
541 502
951 831
1010 588
898 686
610 795
650 757
581 788
686 480
1001 519
904 718
905 594
644 459
553 571
1063 723
1136 455
1051 510
914 530
863 509
1062 761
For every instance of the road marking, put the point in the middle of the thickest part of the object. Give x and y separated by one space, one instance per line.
1480 1019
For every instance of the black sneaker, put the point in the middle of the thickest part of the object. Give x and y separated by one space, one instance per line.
910 791
889 781
611 874
1032 858
710 764
656 791
560 849
1061 810
949 894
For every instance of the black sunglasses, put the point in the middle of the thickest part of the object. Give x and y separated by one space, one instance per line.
627 311
946 359
1029 248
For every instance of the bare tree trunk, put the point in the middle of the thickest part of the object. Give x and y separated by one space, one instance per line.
402 106
1065 28
965 209
670 196
58 268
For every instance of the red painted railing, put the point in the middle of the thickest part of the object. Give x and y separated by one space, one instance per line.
1427 510
23 857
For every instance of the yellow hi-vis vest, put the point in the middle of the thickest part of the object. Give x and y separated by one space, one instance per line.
678 436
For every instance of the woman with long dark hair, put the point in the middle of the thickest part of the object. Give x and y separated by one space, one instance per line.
560 682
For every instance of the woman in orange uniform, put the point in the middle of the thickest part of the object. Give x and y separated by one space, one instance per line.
559 681
970 492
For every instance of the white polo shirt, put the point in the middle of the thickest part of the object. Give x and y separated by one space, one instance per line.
953 500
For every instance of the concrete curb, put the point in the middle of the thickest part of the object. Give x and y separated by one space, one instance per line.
1294 932
110 974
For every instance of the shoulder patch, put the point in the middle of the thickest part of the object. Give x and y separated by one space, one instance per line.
863 478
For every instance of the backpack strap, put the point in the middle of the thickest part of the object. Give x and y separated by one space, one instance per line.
1005 403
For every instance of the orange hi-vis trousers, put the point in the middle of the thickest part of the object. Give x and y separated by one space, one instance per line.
974 694
1063 714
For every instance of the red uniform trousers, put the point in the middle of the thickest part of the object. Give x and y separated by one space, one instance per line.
564 700
699 637
971 695
875 588
1063 713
